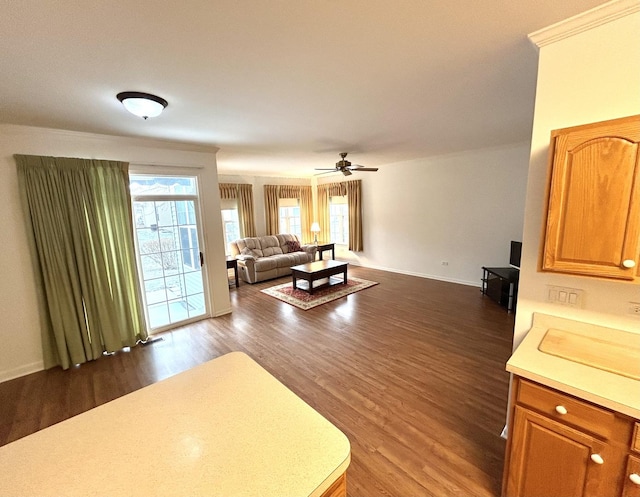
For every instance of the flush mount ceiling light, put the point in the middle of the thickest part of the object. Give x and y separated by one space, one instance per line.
144 105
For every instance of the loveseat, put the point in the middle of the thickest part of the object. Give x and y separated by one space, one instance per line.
266 257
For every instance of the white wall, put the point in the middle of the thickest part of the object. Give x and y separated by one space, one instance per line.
462 208
20 349
588 77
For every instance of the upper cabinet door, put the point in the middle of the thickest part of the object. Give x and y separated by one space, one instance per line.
593 219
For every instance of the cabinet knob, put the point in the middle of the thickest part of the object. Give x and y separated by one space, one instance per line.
629 263
635 478
561 410
597 458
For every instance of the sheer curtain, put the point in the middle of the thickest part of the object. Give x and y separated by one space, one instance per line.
228 190
325 192
323 213
245 210
354 199
79 213
271 208
353 191
243 194
301 192
306 213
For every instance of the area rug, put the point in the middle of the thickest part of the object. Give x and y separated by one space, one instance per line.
303 300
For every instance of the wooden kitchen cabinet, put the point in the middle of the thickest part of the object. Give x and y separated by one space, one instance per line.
593 209
554 459
337 488
632 474
560 445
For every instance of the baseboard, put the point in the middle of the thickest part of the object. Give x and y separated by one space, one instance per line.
222 312
21 371
423 275
39 366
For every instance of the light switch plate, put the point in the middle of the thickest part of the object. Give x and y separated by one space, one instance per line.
561 295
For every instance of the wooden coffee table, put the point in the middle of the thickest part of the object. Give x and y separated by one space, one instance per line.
318 270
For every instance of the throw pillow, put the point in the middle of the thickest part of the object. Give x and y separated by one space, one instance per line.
294 246
246 251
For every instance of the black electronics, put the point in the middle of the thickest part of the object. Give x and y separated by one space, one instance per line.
515 254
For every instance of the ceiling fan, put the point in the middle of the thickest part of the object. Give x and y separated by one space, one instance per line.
345 167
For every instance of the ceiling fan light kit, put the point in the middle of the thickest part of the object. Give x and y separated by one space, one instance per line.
346 168
144 105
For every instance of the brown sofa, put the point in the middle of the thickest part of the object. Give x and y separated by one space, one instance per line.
267 257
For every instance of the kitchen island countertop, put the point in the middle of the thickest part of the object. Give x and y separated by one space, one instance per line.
224 428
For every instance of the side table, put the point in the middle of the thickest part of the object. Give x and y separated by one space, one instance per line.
232 263
501 285
325 247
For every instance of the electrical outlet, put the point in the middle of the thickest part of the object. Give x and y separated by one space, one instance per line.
445 263
634 309
570 297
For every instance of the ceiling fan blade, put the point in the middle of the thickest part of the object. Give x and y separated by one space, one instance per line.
345 167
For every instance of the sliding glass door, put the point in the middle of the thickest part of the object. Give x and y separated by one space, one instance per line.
169 250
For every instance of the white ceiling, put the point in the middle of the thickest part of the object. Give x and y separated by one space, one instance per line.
282 86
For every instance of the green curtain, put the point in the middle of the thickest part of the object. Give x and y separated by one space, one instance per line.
79 212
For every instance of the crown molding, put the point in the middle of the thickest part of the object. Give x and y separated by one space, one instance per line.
590 19
141 141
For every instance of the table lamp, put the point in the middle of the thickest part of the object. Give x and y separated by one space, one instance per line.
315 229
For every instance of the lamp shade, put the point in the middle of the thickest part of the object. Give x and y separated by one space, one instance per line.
140 104
315 227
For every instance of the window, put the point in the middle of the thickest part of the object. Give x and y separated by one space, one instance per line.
230 223
186 217
189 247
146 185
185 212
289 214
339 220
167 232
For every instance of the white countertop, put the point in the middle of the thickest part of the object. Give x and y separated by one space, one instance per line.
225 428
611 390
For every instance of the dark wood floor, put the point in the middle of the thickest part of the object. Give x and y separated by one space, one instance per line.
411 370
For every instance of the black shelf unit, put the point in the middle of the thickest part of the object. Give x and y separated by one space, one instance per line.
501 284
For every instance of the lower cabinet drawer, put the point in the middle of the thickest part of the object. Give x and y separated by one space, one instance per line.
567 409
632 478
635 442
